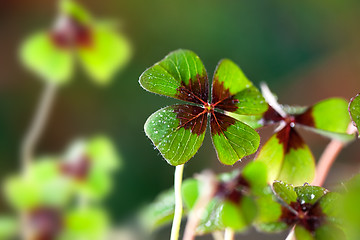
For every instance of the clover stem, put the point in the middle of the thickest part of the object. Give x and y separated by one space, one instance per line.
208 190
229 234
328 157
30 140
218 235
175 229
37 126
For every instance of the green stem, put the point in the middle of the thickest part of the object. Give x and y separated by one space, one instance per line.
30 140
178 202
229 234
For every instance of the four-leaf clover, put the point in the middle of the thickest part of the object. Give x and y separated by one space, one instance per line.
178 131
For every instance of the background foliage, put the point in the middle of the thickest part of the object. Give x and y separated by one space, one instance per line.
306 51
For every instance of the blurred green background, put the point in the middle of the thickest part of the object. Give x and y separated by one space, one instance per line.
305 50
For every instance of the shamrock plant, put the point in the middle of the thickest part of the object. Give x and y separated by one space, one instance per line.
232 206
286 154
47 192
76 35
312 210
178 131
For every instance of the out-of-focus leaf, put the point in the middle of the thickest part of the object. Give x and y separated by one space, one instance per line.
329 232
50 62
190 192
354 109
108 53
255 174
160 212
9 227
44 185
75 11
103 153
303 234
89 224
238 216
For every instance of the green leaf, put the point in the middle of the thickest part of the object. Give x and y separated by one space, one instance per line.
302 234
329 232
235 141
238 216
177 76
9 227
253 121
43 186
160 212
287 157
231 83
298 166
177 143
329 205
269 212
256 174
91 224
53 64
103 153
108 53
285 192
328 115
75 11
211 218
97 185
354 109
190 192
343 137
309 194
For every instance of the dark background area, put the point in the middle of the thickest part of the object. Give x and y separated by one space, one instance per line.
305 50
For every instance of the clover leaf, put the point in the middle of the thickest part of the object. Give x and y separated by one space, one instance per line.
286 154
311 209
233 206
178 131
101 50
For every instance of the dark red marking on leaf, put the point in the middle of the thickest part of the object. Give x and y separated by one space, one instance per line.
220 122
234 189
197 91
191 117
221 97
78 170
46 223
290 139
310 216
306 118
72 34
271 116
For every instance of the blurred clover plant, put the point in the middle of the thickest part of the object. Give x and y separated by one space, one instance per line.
54 184
76 35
